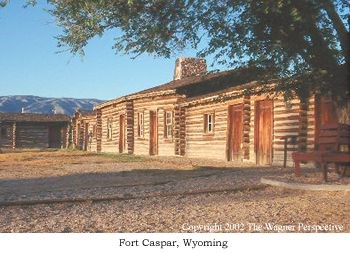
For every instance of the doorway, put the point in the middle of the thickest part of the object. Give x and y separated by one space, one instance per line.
263 132
153 133
54 137
325 114
234 133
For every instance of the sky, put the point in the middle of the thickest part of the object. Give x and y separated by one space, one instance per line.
30 64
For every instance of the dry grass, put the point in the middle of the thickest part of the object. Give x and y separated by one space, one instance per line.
35 163
47 158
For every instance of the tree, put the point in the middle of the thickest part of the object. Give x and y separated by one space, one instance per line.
3 3
304 39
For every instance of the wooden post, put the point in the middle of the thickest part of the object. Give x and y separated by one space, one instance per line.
285 146
324 170
14 131
285 152
297 170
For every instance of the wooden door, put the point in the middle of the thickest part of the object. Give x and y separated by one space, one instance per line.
153 133
263 132
122 142
54 137
325 115
328 112
235 132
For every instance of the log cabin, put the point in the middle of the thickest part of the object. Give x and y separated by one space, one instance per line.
29 130
210 115
83 130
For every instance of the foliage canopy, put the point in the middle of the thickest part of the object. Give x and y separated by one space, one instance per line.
304 39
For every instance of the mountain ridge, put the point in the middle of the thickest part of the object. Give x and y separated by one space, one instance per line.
47 105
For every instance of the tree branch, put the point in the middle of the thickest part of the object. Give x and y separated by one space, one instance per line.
339 27
323 55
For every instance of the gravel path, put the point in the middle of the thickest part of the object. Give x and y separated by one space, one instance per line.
162 195
131 184
185 213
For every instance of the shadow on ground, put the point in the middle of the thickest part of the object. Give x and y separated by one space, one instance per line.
137 182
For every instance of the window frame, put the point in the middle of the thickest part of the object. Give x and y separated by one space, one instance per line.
209 123
168 126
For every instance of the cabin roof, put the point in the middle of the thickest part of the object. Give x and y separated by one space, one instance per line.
85 113
196 86
209 83
33 117
226 80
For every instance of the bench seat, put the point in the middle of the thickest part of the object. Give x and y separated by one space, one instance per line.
330 140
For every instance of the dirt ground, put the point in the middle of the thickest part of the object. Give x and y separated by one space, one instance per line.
74 191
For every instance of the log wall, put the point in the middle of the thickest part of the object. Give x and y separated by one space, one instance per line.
207 145
189 139
79 135
287 121
91 134
82 130
65 131
6 137
32 136
246 128
130 126
98 130
111 113
166 146
36 135
311 124
180 130
74 132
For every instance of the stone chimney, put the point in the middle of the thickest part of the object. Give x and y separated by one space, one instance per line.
186 67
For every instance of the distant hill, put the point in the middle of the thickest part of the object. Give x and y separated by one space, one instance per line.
34 104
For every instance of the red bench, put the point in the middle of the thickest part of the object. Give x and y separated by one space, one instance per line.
333 147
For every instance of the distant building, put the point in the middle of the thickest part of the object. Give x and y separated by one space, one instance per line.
29 130
84 130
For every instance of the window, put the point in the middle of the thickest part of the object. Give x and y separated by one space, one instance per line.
109 129
209 123
168 126
140 124
3 132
